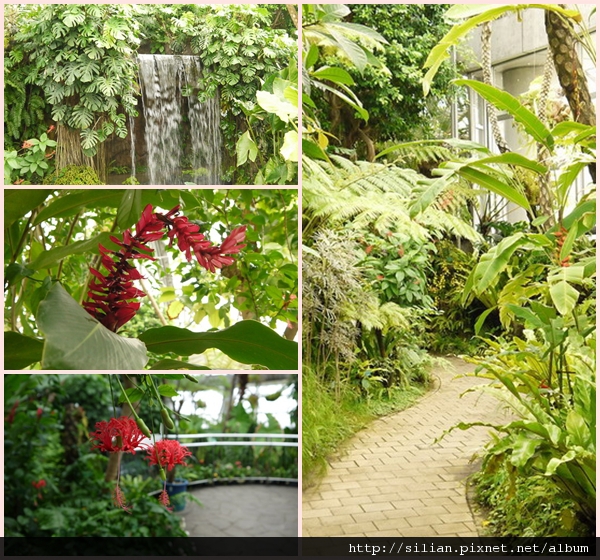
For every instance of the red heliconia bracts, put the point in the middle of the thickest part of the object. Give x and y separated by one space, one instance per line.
111 294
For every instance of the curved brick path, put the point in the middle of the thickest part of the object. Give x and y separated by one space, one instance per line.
392 480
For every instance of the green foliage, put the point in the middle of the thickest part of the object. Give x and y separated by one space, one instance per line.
525 506
24 104
327 420
541 283
277 106
391 89
80 56
76 222
399 264
451 327
332 282
373 195
553 435
21 166
248 342
73 175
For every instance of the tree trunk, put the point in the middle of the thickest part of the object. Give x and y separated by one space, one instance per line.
69 152
563 45
293 14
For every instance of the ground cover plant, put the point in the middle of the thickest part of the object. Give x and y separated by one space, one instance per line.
72 282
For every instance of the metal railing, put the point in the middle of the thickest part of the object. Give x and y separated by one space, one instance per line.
224 440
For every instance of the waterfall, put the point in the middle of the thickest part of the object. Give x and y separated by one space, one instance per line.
182 135
132 144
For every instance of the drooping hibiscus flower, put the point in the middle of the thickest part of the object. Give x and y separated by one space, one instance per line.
167 453
118 434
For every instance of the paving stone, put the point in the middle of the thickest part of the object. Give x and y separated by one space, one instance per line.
244 510
403 483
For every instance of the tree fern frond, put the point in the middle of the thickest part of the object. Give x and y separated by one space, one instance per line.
362 195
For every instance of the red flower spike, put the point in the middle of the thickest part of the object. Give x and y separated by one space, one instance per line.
167 453
11 415
118 434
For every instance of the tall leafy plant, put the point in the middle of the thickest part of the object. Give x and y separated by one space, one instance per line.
81 57
541 281
38 304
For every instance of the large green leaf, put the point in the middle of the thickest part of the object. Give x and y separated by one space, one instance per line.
495 261
350 99
524 449
248 342
510 158
246 149
333 74
17 202
506 102
175 364
21 351
477 14
430 191
49 258
75 340
72 203
130 209
564 297
495 185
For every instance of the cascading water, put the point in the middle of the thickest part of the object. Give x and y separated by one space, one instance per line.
163 79
132 144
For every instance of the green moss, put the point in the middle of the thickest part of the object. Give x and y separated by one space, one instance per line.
73 175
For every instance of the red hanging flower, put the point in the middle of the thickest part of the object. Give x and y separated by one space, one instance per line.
167 453
190 240
119 499
38 483
164 500
118 434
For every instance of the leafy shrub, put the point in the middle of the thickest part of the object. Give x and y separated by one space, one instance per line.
398 264
450 326
31 162
73 175
80 57
525 506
